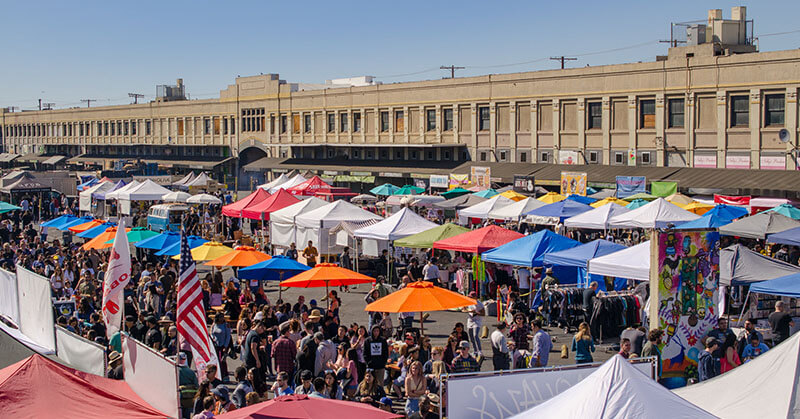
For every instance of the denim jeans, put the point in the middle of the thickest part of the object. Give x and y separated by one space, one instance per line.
474 333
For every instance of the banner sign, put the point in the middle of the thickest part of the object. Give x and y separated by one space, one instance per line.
36 308
64 308
151 376
663 189
573 183
481 176
705 160
9 305
499 396
524 184
421 183
459 181
567 157
630 185
741 201
737 162
687 288
439 181
81 354
772 162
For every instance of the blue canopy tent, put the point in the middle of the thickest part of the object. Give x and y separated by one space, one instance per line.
385 189
96 231
707 221
76 221
562 209
787 286
579 256
529 250
582 199
276 269
55 222
175 249
162 241
790 237
88 184
729 212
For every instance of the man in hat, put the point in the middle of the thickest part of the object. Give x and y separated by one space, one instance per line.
706 365
284 351
135 328
222 400
464 361
115 370
549 279
315 317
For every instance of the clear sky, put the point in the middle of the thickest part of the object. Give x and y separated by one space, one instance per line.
63 52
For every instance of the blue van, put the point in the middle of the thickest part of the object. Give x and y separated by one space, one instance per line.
164 217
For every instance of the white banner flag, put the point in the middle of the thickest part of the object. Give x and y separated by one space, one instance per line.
117 277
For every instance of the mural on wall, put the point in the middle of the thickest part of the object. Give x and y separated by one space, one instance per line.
688 292
573 183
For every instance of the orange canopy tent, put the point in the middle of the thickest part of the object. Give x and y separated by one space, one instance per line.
102 241
242 256
80 228
325 275
235 209
420 296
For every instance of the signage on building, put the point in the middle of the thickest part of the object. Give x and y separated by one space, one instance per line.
439 181
630 185
737 162
568 157
421 183
524 184
573 183
773 162
481 176
705 160
458 181
163 180
390 174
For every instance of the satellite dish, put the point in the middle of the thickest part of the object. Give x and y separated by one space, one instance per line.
783 135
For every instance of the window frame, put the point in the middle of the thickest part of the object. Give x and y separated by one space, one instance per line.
356 122
330 122
672 115
735 113
430 124
447 123
344 125
307 123
484 118
384 120
594 121
647 108
769 113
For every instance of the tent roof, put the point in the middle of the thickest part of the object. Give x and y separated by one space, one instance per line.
235 209
25 184
478 241
516 210
790 237
15 346
582 199
788 286
529 250
580 255
727 211
309 187
596 218
482 210
562 209
459 202
631 263
201 180
759 225
184 180
704 222
739 265
275 182
288 214
145 191
29 390
116 193
102 192
401 224
603 193
104 186
617 390
262 210
425 239
766 387
333 213
294 181
656 214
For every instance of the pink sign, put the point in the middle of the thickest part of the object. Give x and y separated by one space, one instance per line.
705 160
773 162
737 162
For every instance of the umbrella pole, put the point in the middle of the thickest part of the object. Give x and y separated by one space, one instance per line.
421 325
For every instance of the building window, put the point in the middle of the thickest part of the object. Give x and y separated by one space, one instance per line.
483 118
595 120
503 155
330 153
233 126
647 113
331 122
740 111
113 128
271 125
148 127
414 155
523 157
206 126
295 124
105 128
399 121
619 157
384 121
429 155
646 158
399 155
370 154
446 155
447 117
284 123
342 122
465 155
774 110
356 122
356 153
544 157
119 128
484 156
134 124
430 120
307 123
676 112
594 157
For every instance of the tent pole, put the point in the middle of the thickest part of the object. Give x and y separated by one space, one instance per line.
744 308
421 325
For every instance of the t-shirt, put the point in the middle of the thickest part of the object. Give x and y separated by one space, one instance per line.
524 276
588 294
475 320
499 341
248 357
430 271
153 336
779 320
751 351
541 347
637 338
310 253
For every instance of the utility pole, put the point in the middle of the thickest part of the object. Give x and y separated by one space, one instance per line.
48 106
40 104
563 59
88 102
135 97
452 69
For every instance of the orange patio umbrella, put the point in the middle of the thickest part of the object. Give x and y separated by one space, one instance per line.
99 242
240 257
325 275
80 228
420 296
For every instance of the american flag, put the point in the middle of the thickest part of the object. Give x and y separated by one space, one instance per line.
191 313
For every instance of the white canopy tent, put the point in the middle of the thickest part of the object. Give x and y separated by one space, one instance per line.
402 224
184 180
596 219
315 225
177 196
200 181
631 263
282 228
483 209
616 390
657 214
116 194
145 191
203 198
85 197
275 182
516 210
294 181
766 387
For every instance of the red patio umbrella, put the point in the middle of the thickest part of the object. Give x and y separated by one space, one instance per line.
261 210
299 406
235 209
478 241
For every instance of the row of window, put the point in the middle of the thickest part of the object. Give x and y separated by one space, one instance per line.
346 119
211 125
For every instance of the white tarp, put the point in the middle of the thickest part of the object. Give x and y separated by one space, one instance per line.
35 308
282 229
21 338
617 390
116 194
596 219
296 180
275 182
498 396
151 376
766 387
402 224
85 197
483 209
9 305
656 214
630 263
145 191
80 353
315 225
516 210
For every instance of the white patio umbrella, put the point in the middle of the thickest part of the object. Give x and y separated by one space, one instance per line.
203 198
177 196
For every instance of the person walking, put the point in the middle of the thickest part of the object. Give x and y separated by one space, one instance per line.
475 315
500 357
310 253
542 344
583 344
781 323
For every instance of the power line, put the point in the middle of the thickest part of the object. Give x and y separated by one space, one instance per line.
88 102
136 97
452 69
563 59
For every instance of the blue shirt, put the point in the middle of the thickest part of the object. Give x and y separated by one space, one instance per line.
751 351
583 349
541 347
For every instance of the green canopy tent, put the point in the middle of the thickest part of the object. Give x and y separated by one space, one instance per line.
641 195
455 193
409 190
425 239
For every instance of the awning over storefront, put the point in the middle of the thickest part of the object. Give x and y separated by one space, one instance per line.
191 164
8 157
32 158
54 160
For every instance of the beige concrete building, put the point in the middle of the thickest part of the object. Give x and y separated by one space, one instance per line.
717 103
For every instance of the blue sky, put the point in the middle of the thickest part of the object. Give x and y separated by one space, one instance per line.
63 52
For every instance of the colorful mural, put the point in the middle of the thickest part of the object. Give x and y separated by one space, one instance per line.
688 291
